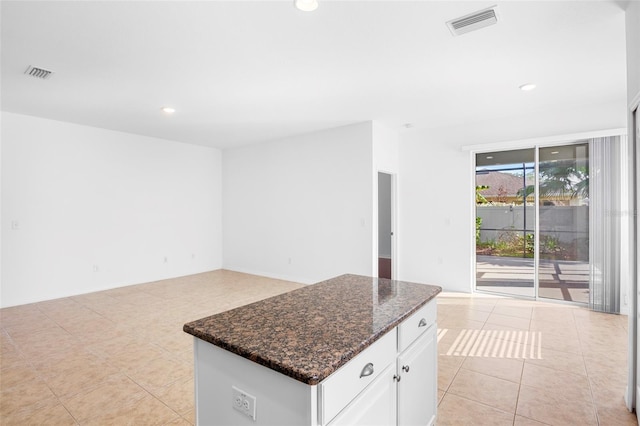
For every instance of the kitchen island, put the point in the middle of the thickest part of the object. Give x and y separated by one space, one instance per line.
349 350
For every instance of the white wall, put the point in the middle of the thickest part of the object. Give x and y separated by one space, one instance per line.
385 142
632 26
2 223
433 229
85 196
436 187
300 208
385 148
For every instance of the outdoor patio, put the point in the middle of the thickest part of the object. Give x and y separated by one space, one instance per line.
559 279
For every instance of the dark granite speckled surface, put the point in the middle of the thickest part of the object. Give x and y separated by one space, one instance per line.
310 332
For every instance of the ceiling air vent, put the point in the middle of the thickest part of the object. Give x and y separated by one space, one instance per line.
473 21
40 73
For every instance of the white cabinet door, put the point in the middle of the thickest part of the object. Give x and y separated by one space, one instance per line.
376 405
418 385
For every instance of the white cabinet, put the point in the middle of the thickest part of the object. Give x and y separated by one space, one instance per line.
405 393
375 406
417 388
413 327
337 390
392 382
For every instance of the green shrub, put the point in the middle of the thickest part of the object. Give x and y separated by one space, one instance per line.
478 226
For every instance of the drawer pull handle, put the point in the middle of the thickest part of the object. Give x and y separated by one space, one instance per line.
422 323
396 377
405 368
367 370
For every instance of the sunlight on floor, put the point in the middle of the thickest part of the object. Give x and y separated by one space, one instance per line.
496 344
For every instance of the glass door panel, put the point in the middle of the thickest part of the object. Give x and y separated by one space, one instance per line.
563 202
505 222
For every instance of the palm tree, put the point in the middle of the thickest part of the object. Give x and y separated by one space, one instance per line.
560 179
480 199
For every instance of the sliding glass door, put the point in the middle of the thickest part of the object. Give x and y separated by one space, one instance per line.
563 203
532 222
505 222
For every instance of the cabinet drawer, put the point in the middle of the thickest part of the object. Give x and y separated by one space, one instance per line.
348 381
411 328
376 405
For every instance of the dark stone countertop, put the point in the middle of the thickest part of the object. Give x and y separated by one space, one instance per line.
310 332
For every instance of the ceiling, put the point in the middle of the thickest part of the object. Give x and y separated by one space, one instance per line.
240 72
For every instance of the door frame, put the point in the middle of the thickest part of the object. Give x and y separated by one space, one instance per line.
394 216
511 144
474 215
536 257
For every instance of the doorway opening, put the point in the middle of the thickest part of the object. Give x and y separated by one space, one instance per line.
385 226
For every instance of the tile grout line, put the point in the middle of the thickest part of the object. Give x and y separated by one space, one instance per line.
593 399
524 361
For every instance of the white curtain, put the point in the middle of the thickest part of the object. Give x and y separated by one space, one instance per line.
604 223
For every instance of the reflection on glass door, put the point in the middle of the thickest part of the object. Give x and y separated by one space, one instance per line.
505 222
563 203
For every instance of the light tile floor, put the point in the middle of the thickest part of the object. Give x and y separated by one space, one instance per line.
114 357
120 357
518 362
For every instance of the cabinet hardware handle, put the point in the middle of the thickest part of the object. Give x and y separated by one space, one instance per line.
396 377
405 368
367 370
422 323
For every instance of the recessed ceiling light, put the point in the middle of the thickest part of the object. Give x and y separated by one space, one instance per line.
168 110
527 87
489 157
555 152
306 5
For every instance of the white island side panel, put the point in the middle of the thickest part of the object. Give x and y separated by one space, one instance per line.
280 400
